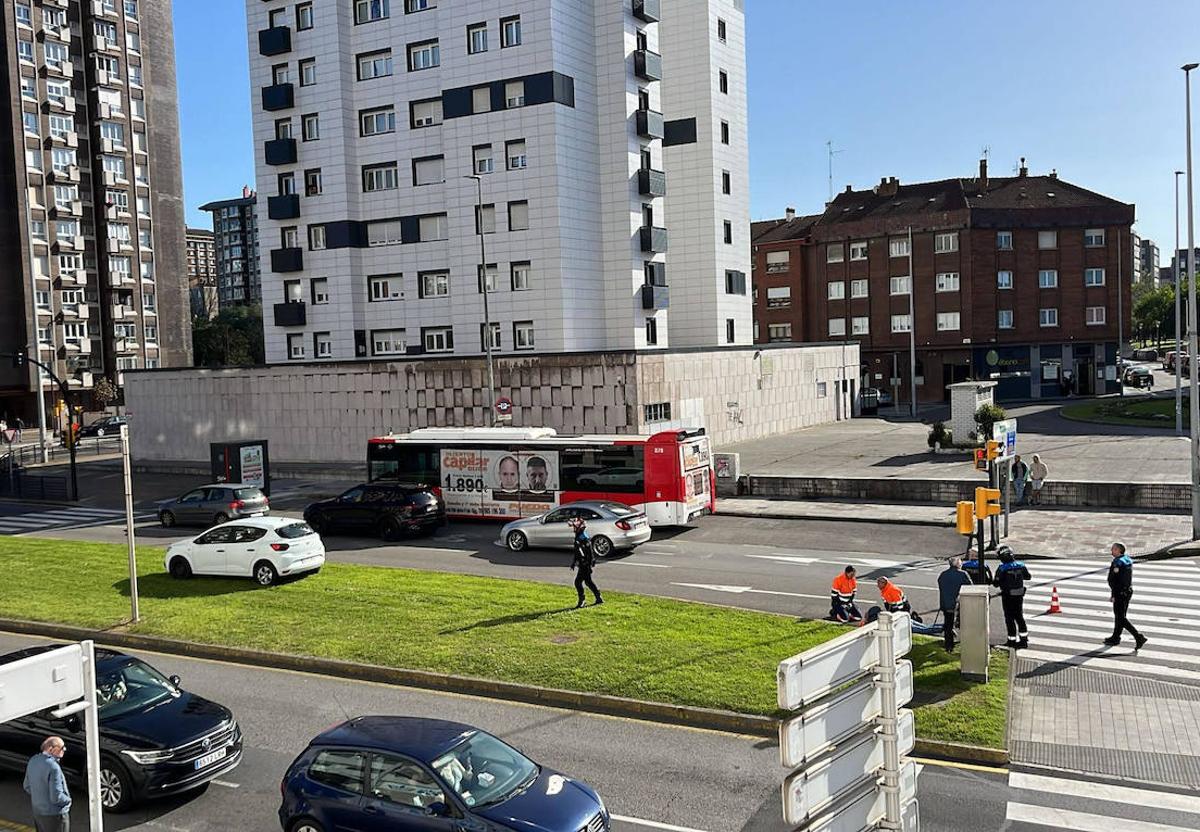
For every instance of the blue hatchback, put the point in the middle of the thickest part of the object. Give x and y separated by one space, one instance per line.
395 774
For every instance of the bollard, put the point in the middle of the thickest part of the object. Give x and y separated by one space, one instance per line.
974 631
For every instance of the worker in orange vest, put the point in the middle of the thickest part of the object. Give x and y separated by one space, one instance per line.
841 597
893 598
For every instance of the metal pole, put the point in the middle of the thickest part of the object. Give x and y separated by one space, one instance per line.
133 586
1120 312
91 730
1193 399
1178 318
1008 466
487 318
912 328
888 718
74 439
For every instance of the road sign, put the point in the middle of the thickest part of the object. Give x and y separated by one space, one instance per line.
504 406
804 678
49 678
864 808
10 434
1005 432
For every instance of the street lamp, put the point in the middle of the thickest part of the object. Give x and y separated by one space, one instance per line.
1193 398
1178 318
490 398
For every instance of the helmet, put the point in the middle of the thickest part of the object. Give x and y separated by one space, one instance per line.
1006 554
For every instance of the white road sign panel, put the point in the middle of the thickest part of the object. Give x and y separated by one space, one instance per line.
42 681
863 808
804 678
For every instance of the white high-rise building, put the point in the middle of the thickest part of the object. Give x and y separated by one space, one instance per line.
607 139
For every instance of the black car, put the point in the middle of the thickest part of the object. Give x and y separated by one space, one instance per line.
156 739
107 426
384 509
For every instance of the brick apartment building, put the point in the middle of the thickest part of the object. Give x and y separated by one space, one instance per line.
1018 279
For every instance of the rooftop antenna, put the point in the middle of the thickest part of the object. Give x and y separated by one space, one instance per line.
832 153
987 152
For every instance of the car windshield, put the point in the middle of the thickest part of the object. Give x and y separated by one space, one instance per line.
248 493
294 530
132 687
483 770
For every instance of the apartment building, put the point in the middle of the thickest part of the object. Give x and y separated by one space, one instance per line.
235 243
202 273
550 153
92 268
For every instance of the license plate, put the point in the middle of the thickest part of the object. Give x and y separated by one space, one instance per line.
209 759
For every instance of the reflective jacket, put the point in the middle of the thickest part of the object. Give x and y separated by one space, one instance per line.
844 589
1120 575
893 599
1011 578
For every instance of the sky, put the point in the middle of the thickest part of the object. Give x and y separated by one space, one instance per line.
914 89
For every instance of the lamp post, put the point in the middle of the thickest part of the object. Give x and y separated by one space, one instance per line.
490 399
1178 318
1193 399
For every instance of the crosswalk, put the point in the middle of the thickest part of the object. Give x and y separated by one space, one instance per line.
1165 608
1060 803
68 517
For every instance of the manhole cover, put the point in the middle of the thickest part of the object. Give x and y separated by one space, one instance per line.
1052 691
563 639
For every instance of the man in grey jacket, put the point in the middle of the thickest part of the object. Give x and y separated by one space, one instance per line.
949 584
47 788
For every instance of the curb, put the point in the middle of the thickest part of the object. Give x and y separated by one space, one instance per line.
772 515
959 753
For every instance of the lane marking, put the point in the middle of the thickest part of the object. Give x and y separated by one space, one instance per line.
1065 630
786 559
740 590
636 563
653 824
1126 651
1111 664
1103 791
966 766
1105 593
1081 821
1150 610
226 784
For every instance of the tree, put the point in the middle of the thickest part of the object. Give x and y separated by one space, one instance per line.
233 338
1154 315
105 392
986 416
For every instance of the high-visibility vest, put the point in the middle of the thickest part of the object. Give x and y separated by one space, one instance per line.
844 588
892 597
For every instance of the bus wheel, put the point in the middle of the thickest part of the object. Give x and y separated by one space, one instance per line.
602 546
516 541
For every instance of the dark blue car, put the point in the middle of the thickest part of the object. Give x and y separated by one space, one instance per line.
402 774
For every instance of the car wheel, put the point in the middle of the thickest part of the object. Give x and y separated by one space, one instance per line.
516 541
180 568
167 519
264 573
116 789
221 517
389 529
306 825
602 546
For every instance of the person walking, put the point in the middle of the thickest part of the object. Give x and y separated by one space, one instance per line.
1038 472
20 425
950 582
1011 576
841 597
583 562
1120 584
47 788
1020 475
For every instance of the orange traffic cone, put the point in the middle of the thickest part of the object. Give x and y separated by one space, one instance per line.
1054 607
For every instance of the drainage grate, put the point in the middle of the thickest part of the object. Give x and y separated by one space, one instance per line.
1034 675
1052 691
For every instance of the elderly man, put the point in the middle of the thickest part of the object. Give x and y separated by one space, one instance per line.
47 788
949 583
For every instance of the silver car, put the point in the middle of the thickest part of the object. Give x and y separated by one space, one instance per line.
212 505
611 526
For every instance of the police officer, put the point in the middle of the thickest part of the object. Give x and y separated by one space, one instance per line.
841 597
583 562
1011 577
1120 584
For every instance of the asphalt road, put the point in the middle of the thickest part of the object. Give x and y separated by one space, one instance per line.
654 777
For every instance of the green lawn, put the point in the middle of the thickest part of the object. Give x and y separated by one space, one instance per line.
517 631
950 708
1139 412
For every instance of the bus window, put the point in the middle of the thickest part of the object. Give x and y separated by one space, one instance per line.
403 463
620 469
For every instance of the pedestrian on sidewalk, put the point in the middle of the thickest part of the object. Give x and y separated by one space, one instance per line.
1038 472
1120 584
1011 576
47 788
949 583
841 597
1020 475
584 562
20 424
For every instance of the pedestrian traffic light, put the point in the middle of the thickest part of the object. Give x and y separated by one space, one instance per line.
993 449
980 459
18 359
965 517
987 502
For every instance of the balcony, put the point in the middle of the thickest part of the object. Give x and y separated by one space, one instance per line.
652 183
98 9
275 41
62 104
648 65
653 238
287 259
283 207
280 151
121 311
278 97
290 314
648 10
655 297
125 345
102 44
650 124
63 69
69 139
77 276
71 209
68 244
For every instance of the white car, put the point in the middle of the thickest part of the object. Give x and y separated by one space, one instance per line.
262 548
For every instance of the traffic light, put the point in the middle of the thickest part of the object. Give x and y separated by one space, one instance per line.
987 502
980 459
18 359
994 449
965 517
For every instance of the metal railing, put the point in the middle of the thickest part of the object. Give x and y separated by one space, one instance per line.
25 486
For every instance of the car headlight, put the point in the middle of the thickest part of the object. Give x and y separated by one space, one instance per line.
145 758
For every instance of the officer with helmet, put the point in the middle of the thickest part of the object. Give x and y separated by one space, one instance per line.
1011 576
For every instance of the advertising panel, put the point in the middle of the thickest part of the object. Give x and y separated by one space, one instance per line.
253 472
694 453
489 482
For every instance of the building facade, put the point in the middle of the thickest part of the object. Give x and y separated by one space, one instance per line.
417 152
202 273
93 275
1145 259
1023 280
235 243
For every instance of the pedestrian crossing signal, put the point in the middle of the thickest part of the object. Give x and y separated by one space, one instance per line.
18 359
980 459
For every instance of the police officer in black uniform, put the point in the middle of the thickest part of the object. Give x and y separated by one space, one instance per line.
1011 576
583 562
1120 584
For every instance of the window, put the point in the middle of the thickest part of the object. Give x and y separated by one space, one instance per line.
310 127
66 228
1093 277
947 321
433 284
482 156
322 345
494 331
378 121
308 72
519 276
438 338
1095 315
522 335
366 11
721 30
735 282
1048 279
518 216
780 332
836 290
1004 319
312 182
481 100
730 331
412 6
901 323
947 282
374 64
316 237
1004 240
382 177
727 233
24 14
837 327
30 121
388 342
945 243
135 75
57 91
42 298
1004 280
385 287
54 18
319 286
280 74
304 16
295 345
37 229
724 132
1047 239
424 55
1093 238
510 32
283 128
899 247
425 113
514 94
1048 317
778 261
835 253
429 171
860 288
64 195
477 40
29 89
726 182
514 152
61 126
860 325
858 251
723 81
651 332
119 200
25 50
490 278
131 9
151 332
432 227
779 297
289 236
56 54
485 219
292 292
901 285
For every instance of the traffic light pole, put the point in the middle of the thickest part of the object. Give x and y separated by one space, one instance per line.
20 359
980 560
994 482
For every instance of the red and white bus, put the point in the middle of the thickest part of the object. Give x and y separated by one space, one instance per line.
519 472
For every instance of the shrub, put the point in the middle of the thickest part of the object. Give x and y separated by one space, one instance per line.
986 416
939 435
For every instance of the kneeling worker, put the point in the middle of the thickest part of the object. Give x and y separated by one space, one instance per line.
841 597
893 598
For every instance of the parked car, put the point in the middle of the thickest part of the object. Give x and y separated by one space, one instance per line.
1138 377
211 505
882 397
611 526
404 773
106 426
262 548
388 510
156 739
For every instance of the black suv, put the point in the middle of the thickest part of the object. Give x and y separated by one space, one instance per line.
156 739
386 509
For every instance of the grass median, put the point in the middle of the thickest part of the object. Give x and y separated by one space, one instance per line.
515 631
1134 411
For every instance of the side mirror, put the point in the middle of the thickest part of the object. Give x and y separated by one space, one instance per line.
174 680
437 809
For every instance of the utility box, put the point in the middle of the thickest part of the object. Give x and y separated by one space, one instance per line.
974 631
244 462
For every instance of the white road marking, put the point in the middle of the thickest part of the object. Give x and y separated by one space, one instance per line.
1126 650
225 784
1082 821
653 824
1065 630
1110 664
637 563
786 559
738 590
1104 791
